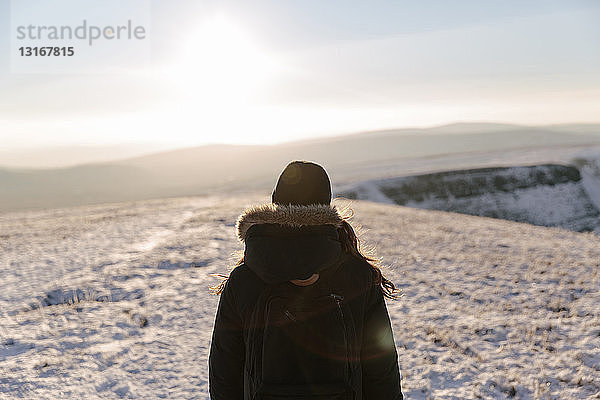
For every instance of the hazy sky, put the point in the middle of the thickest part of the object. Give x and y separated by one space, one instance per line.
271 71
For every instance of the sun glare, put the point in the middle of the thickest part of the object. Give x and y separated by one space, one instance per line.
220 75
222 65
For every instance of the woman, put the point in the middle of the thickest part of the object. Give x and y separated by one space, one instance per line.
303 315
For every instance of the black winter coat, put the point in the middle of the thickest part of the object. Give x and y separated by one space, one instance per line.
284 243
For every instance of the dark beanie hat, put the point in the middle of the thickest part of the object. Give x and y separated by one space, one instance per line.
302 183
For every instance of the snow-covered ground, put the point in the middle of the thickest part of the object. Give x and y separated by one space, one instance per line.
112 301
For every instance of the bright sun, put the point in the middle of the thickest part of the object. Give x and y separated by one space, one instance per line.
220 78
221 68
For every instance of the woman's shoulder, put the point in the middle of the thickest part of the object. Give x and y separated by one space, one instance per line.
358 267
241 275
354 276
244 285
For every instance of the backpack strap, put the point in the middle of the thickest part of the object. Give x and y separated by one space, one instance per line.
255 326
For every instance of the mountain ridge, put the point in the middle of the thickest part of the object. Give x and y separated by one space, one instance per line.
223 168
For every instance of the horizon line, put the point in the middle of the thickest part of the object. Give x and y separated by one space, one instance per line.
163 147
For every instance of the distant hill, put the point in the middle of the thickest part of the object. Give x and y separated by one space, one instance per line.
205 169
546 195
68 156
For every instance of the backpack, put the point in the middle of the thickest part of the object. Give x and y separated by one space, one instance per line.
301 345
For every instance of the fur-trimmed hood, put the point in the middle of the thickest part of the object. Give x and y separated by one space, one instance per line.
283 243
291 215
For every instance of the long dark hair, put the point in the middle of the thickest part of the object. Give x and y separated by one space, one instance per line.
350 245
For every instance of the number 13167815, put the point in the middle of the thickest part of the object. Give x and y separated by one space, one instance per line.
46 51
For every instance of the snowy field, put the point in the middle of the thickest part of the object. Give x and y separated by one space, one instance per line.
112 301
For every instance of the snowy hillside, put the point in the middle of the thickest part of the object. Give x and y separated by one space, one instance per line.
547 195
111 301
